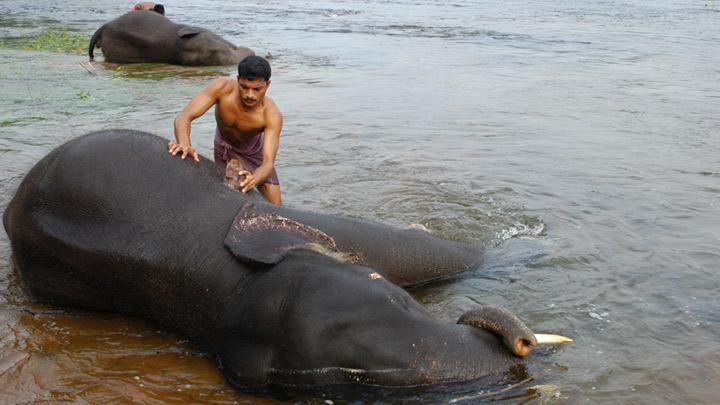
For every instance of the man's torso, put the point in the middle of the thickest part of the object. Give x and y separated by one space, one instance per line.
237 124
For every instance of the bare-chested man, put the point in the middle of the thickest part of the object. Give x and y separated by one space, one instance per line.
248 126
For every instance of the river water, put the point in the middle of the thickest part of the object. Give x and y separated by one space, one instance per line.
579 142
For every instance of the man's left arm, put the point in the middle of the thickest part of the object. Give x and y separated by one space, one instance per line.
271 143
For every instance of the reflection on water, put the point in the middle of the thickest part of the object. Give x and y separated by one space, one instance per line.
156 71
577 142
52 356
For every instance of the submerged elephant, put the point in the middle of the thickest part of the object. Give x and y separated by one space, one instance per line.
283 297
146 36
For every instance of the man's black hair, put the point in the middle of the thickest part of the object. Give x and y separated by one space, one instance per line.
159 8
254 67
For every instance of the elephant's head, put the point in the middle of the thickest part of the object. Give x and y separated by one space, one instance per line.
198 46
325 322
328 320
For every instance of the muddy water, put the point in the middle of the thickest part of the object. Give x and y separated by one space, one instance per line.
578 142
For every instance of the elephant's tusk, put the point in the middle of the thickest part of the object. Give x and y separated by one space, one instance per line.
543 339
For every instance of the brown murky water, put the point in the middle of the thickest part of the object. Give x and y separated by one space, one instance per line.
578 142
100 358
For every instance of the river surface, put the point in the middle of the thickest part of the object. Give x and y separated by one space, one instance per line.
579 142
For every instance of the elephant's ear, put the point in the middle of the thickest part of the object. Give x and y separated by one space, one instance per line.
265 237
188 32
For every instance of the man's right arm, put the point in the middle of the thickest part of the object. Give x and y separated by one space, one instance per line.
196 108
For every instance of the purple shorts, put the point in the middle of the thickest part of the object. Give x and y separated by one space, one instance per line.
250 154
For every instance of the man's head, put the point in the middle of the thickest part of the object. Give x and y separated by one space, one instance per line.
254 67
149 6
253 79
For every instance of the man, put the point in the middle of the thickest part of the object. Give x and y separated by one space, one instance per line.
248 126
149 6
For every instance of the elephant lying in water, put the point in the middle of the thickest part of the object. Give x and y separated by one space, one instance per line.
146 36
110 221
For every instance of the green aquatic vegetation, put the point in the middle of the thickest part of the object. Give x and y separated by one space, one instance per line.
83 95
20 121
8 21
59 41
153 71
51 40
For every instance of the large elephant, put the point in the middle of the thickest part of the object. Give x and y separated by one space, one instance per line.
146 36
283 297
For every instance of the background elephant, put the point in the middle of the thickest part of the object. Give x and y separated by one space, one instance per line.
111 221
146 36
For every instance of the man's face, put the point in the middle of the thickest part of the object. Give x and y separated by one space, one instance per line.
252 92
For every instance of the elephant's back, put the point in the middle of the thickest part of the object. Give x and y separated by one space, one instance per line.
109 190
116 176
112 221
139 37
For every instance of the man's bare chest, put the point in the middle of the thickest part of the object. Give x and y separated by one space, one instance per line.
236 123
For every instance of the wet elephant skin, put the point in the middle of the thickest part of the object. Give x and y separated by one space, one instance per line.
110 221
148 37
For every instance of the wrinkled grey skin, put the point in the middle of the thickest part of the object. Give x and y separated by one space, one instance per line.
149 37
111 221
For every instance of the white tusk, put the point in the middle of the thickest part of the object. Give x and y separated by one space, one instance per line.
544 339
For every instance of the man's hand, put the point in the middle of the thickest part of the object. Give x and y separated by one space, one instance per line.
174 148
249 183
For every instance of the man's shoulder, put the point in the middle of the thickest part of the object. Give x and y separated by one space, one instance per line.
272 115
223 85
271 109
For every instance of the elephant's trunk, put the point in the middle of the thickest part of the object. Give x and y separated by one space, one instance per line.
405 257
516 336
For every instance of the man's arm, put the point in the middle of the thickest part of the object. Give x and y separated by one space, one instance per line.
271 144
196 108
